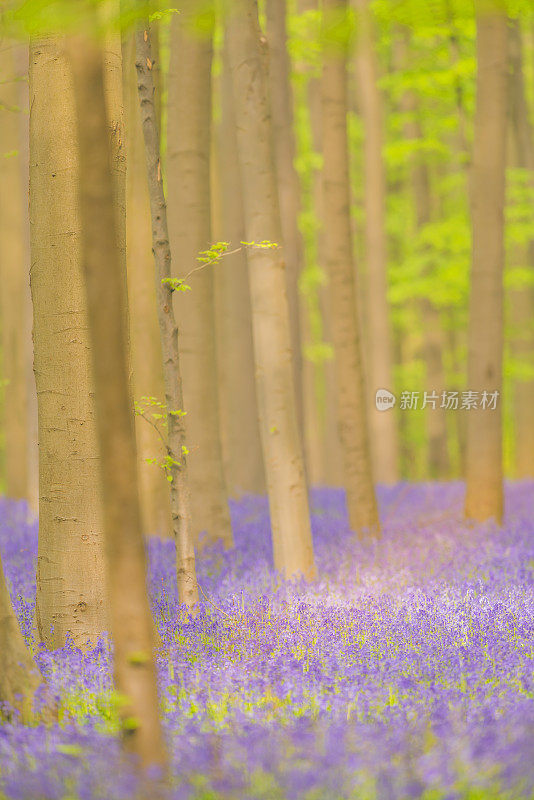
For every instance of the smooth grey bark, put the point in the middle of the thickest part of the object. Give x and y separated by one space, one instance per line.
189 216
282 448
71 590
240 432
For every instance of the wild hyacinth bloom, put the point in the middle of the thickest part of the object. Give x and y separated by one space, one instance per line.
405 671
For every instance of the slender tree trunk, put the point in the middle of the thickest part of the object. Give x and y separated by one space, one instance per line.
282 448
71 592
382 424
14 276
147 369
456 345
189 116
32 441
314 440
32 453
522 298
438 463
484 495
287 178
19 676
312 331
131 621
176 448
113 93
334 459
361 501
157 70
437 453
237 391
462 161
332 472
437 456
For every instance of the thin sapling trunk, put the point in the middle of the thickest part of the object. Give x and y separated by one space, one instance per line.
176 449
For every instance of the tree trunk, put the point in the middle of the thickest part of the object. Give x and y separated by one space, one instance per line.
438 463
361 501
131 620
484 495
176 448
334 459
188 157
522 299
14 276
157 70
313 410
437 455
287 178
71 593
21 66
458 334
237 392
311 327
19 676
147 377
282 448
382 424
331 473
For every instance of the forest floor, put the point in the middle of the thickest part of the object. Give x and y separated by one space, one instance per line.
405 671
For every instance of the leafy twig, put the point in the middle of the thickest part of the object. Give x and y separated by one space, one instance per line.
212 256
